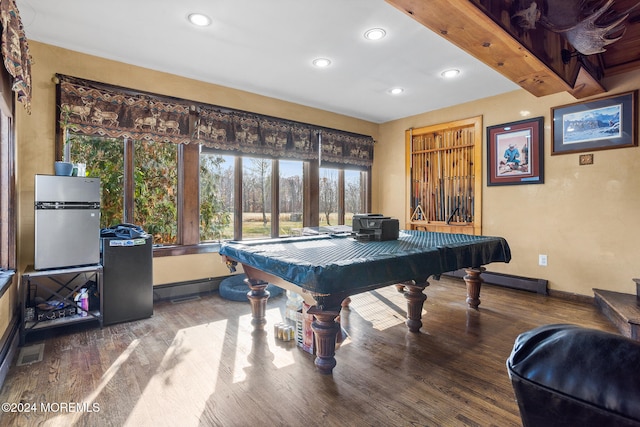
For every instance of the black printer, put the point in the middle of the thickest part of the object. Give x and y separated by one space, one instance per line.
377 227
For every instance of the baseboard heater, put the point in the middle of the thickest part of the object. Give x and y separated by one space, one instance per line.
178 290
508 281
9 342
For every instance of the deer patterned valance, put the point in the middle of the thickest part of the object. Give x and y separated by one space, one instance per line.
92 108
335 147
15 52
251 134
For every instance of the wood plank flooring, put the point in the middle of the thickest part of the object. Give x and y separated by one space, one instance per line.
197 363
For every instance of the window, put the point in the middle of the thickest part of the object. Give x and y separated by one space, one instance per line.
104 159
151 183
150 173
256 197
216 196
329 196
291 193
155 176
354 194
184 188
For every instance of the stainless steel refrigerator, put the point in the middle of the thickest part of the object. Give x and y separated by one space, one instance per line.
67 221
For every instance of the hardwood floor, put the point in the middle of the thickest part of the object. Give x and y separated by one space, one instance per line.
197 363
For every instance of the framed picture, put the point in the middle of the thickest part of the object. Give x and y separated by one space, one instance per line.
515 153
599 124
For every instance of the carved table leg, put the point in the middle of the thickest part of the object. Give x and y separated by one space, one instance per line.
473 281
326 330
258 296
415 301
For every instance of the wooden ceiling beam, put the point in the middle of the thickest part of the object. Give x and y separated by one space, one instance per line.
466 26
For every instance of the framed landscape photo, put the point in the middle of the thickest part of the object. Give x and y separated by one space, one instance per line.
515 153
599 124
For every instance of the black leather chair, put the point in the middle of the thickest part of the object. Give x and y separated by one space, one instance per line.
566 375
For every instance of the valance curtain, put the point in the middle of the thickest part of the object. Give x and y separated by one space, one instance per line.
15 51
90 108
342 148
93 108
252 134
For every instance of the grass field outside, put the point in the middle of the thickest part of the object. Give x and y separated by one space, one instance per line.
254 227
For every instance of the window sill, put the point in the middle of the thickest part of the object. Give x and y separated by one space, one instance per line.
175 250
6 278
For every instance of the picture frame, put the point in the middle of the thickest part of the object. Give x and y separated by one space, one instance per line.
598 124
515 152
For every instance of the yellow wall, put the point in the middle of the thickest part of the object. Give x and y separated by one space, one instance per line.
35 143
174 269
582 217
7 304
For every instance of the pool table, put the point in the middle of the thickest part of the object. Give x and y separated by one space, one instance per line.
327 269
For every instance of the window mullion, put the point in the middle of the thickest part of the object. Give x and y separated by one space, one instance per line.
188 194
311 183
237 205
275 198
129 180
341 193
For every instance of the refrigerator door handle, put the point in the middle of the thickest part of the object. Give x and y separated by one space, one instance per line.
67 205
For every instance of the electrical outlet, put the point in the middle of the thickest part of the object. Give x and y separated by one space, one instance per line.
542 260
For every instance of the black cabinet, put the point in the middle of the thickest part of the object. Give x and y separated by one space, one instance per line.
128 279
49 298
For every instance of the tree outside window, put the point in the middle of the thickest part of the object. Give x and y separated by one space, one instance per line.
256 197
328 196
216 196
104 159
291 196
149 195
353 195
154 180
156 190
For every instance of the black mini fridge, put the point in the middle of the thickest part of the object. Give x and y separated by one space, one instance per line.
127 272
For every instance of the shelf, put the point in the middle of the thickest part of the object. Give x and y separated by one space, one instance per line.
61 321
58 285
60 271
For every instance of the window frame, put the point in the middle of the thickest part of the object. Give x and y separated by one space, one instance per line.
8 218
8 195
188 198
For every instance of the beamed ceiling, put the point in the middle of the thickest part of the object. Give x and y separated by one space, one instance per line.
532 58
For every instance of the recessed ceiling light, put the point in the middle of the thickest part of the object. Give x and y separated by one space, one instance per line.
396 91
375 34
199 19
321 62
449 74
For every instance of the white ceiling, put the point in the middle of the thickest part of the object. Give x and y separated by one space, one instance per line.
267 46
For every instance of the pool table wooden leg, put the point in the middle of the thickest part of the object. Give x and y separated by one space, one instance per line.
415 301
258 296
326 330
474 282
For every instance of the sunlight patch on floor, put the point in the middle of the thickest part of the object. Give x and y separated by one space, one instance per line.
382 314
73 417
186 378
249 346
